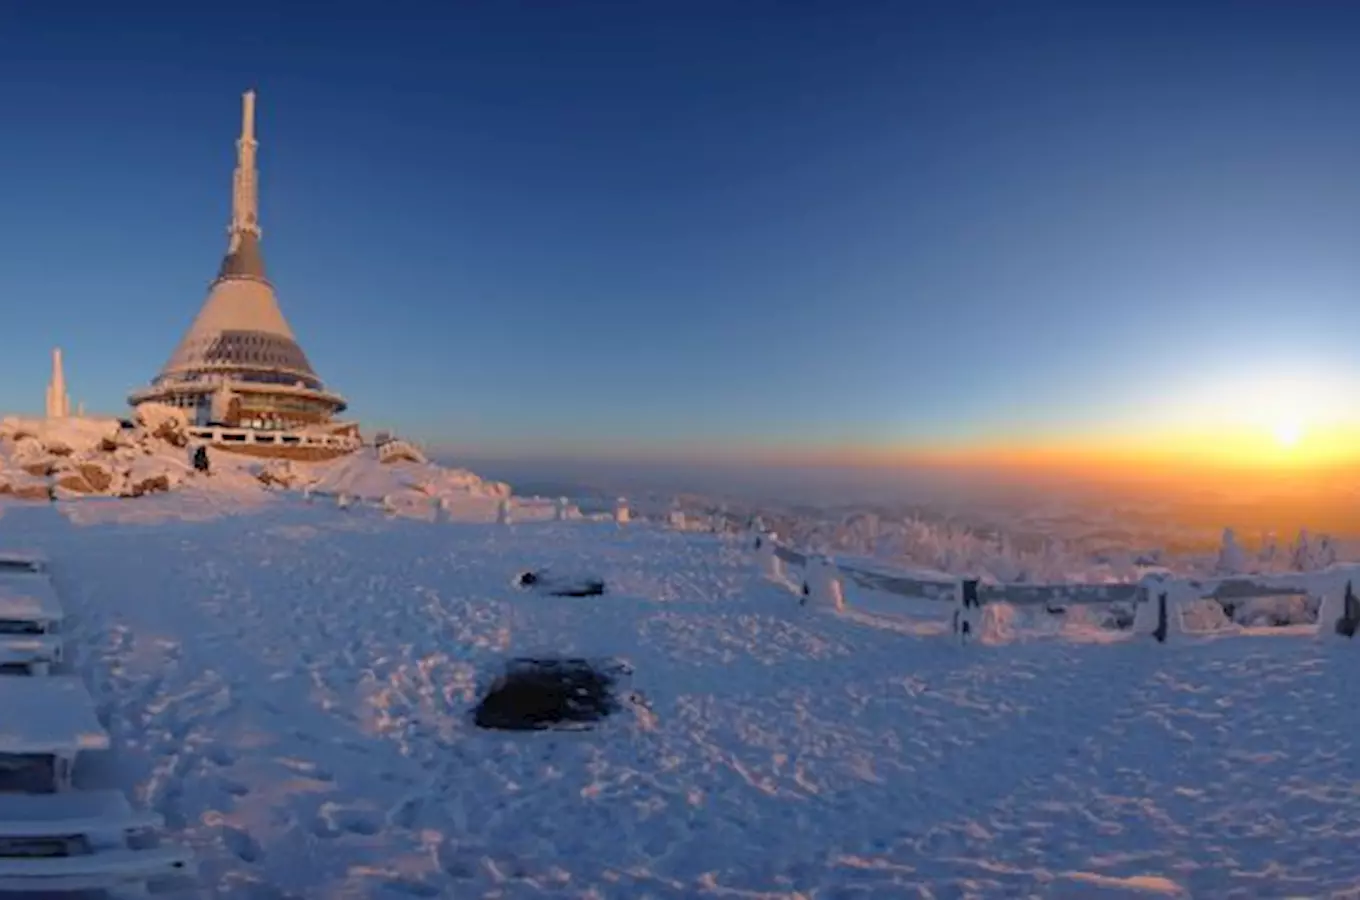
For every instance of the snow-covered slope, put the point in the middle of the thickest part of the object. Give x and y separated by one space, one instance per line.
292 689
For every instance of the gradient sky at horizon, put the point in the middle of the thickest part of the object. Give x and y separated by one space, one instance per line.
545 226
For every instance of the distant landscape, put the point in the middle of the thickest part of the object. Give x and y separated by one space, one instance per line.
1177 518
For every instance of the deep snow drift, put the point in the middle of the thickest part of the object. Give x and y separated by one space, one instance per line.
292 687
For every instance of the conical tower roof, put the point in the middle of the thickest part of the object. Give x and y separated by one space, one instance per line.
241 325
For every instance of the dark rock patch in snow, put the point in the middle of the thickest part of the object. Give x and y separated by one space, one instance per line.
534 694
545 583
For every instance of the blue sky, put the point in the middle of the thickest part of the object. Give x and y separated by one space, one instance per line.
542 226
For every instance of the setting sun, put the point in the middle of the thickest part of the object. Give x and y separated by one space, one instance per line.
1288 434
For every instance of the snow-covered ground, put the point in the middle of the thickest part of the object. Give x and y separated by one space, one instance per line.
290 685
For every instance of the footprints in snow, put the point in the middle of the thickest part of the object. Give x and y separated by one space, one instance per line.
221 756
234 788
239 842
334 820
307 768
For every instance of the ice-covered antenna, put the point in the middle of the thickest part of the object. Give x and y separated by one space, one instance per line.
245 195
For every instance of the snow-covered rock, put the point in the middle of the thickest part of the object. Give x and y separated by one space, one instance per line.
60 437
75 457
281 472
23 486
88 476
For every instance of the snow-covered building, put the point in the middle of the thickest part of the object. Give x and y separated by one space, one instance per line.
239 374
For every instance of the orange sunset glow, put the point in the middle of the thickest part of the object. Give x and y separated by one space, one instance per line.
1288 447
1296 425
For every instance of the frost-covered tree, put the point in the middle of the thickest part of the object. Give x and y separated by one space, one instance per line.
1301 556
1324 554
1270 550
1151 557
1232 560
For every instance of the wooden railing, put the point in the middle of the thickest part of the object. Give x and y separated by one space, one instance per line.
252 436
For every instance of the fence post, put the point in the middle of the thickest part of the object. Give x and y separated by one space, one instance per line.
968 610
1170 600
621 514
822 584
1350 619
1339 615
1164 610
756 535
1148 615
771 566
811 566
832 586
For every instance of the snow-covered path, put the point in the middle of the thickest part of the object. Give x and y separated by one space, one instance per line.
290 687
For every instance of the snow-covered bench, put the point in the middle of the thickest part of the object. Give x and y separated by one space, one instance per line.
47 721
34 652
28 604
22 561
79 842
30 620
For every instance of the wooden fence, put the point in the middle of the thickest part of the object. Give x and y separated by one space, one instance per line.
1227 587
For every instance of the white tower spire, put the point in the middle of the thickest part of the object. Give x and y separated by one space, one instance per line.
58 402
245 194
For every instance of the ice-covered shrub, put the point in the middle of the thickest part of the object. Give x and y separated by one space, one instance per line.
999 623
1232 559
1204 614
1265 612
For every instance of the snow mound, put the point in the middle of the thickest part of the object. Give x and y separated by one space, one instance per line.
364 474
1204 615
998 624
1005 623
1274 612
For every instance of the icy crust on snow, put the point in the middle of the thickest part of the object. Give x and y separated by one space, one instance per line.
75 458
292 691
